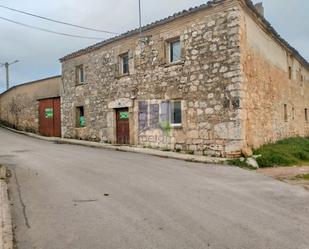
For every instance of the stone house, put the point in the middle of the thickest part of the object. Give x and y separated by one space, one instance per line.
19 106
213 80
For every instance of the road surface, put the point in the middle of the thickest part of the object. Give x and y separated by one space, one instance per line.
73 197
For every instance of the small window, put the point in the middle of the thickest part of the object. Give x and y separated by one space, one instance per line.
80 75
285 113
175 51
175 113
290 72
124 61
80 116
170 111
293 113
302 78
306 114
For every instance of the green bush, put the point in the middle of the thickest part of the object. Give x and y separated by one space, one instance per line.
290 151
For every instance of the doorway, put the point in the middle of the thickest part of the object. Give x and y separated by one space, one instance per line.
122 126
50 117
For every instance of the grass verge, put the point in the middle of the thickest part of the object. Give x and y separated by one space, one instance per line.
287 152
240 163
303 177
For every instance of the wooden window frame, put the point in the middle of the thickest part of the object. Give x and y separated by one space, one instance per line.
121 59
169 43
78 115
170 109
80 74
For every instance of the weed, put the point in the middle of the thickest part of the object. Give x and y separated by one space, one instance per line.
303 177
240 163
287 152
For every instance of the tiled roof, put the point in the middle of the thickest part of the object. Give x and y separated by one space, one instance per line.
183 13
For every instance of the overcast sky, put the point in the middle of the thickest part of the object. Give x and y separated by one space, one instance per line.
38 52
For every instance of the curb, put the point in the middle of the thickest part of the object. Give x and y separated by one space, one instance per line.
152 152
6 230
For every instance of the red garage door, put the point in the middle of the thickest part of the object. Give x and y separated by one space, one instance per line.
50 117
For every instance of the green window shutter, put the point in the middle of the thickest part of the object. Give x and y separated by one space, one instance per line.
82 121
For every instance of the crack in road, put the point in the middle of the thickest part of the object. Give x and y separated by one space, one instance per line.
21 201
91 200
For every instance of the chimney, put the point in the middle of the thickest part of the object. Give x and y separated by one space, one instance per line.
259 7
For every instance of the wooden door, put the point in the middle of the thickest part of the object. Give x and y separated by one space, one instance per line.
57 118
46 121
122 126
49 117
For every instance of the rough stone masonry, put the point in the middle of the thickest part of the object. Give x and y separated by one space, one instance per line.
208 82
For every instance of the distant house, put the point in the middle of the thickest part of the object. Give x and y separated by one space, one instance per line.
213 80
33 106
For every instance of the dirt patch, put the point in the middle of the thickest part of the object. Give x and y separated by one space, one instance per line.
293 175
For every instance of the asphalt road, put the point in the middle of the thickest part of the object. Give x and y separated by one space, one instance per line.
72 197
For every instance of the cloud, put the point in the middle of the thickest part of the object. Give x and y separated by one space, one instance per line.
39 52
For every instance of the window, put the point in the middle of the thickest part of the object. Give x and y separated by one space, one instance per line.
302 78
293 113
285 113
176 113
171 112
80 116
124 61
306 114
174 51
80 75
290 72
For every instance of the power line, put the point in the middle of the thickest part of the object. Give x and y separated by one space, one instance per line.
51 31
57 21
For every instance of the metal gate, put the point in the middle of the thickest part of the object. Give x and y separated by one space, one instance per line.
122 126
50 117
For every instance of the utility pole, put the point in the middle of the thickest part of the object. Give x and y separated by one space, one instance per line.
140 17
6 65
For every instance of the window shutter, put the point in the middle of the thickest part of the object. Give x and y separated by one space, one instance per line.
165 111
154 116
142 116
116 67
131 61
76 76
161 51
182 50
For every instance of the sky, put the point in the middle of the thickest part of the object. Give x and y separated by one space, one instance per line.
39 52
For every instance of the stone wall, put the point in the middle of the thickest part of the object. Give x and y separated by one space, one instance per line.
268 88
19 105
207 81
